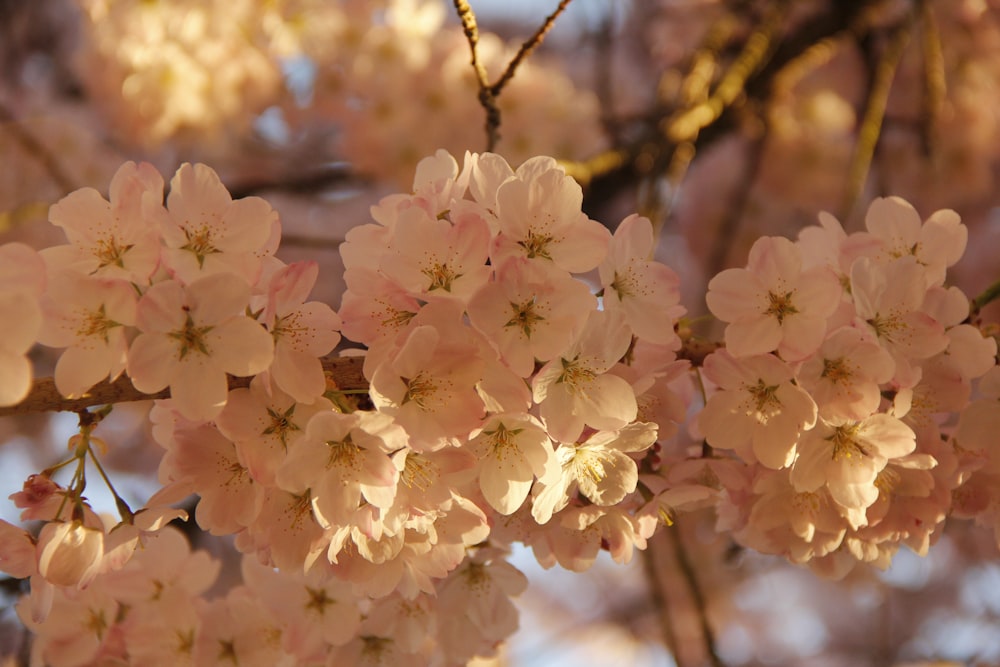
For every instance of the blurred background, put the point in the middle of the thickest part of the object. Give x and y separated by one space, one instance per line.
721 120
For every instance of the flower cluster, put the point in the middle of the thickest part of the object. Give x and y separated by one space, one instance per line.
845 356
524 385
520 360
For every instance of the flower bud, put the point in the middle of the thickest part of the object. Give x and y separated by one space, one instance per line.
69 554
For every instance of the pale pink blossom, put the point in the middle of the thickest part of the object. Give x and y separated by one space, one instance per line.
192 337
646 292
774 304
539 216
116 239
844 375
302 331
575 388
22 280
847 456
206 232
936 243
315 609
87 316
265 426
758 412
513 450
599 467
70 553
531 311
429 388
342 459
433 258
888 300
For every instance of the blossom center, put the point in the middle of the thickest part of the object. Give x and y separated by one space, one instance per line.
343 453
318 600
441 277
575 374
588 463
191 338
764 396
537 245
780 305
281 424
199 243
418 472
420 390
837 371
96 324
502 441
525 316
845 447
108 252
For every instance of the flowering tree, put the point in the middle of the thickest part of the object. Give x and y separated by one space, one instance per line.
510 366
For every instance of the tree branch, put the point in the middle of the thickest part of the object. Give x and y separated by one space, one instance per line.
345 372
526 48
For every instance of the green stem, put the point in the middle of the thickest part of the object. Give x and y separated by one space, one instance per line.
988 296
123 509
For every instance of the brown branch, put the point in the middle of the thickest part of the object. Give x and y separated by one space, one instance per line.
526 48
697 596
688 124
486 96
875 105
935 87
345 372
658 599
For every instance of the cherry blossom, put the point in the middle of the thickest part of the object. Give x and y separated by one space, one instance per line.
513 450
22 280
191 337
113 239
302 331
88 316
774 304
575 388
531 311
646 291
206 232
758 411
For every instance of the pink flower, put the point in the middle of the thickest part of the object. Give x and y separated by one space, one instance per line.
645 291
937 243
513 450
539 216
759 412
111 240
575 389
69 553
600 468
192 337
429 388
206 232
773 304
846 457
342 458
432 258
531 311
302 332
844 375
22 279
88 317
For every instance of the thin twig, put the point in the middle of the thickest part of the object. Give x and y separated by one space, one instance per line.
486 97
871 123
688 124
526 48
44 397
935 88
